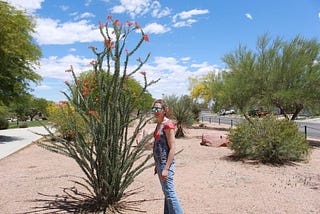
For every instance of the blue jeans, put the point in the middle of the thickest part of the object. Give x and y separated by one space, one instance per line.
171 201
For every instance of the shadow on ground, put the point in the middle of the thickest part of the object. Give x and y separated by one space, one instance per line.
8 139
72 201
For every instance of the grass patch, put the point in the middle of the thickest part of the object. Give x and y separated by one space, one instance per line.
25 124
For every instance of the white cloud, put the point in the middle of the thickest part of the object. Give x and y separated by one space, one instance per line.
186 58
141 7
133 7
43 87
54 67
189 14
30 6
319 15
173 75
155 28
84 15
203 68
157 12
248 15
49 31
64 7
73 14
204 64
186 23
184 19
87 3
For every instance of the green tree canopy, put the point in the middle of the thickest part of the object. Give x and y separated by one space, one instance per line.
87 84
201 89
28 106
280 74
18 53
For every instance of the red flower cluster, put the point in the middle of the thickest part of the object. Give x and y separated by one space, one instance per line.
62 103
129 23
117 22
92 62
93 113
92 47
137 25
143 73
108 43
146 37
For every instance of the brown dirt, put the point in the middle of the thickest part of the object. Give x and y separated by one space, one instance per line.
206 180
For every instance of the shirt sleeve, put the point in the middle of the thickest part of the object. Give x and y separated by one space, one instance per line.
169 125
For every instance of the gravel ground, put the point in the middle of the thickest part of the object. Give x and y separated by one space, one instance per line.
206 180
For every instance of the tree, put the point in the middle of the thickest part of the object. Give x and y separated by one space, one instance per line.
279 74
39 107
238 86
105 153
87 83
27 107
294 76
18 53
22 107
201 89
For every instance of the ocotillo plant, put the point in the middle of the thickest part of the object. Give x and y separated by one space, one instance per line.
106 153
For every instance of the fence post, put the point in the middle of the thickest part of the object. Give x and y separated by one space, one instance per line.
305 132
231 123
219 120
209 119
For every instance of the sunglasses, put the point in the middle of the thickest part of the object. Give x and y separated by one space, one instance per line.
156 109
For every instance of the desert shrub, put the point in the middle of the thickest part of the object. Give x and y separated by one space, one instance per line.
182 110
23 125
269 140
107 152
62 115
4 124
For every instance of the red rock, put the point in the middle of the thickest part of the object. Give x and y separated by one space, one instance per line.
214 139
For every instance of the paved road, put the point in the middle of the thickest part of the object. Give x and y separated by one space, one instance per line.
311 127
12 140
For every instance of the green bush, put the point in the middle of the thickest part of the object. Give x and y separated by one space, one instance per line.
23 125
4 124
64 118
269 140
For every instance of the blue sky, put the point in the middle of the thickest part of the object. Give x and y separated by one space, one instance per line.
188 38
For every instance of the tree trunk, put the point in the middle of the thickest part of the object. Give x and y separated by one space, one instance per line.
299 107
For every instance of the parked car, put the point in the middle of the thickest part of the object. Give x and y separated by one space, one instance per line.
12 119
226 112
257 113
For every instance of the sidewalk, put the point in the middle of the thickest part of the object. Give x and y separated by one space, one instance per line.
12 140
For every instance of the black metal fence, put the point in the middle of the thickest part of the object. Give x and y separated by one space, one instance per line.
310 129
